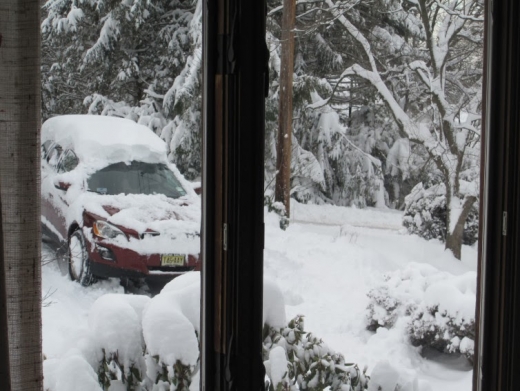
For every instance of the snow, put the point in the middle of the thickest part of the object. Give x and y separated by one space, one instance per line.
75 373
99 140
116 327
276 366
274 305
168 332
398 158
455 295
328 260
322 266
177 220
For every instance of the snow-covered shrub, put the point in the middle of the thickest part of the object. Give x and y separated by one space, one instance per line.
140 344
171 324
311 364
279 209
445 320
115 324
382 310
439 330
426 214
439 307
399 294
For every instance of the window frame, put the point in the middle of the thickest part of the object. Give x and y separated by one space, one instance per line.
498 343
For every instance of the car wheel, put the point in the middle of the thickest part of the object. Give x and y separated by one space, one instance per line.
79 263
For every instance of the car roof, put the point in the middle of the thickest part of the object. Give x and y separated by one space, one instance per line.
102 140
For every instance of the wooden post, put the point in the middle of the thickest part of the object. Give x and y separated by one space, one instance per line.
285 114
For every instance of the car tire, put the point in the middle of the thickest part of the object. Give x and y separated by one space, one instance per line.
79 262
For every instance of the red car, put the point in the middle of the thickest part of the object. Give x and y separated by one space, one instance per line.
112 197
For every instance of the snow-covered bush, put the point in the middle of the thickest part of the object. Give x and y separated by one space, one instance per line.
279 209
115 323
308 363
141 344
439 307
382 310
426 214
442 331
171 323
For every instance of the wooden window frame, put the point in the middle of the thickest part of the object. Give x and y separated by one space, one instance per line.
498 297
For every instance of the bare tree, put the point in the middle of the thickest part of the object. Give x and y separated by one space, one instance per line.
19 193
427 51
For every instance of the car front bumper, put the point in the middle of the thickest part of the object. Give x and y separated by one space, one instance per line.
128 263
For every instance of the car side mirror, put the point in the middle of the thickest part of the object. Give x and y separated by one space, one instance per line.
62 185
197 187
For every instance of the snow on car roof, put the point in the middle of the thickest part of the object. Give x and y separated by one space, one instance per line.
100 140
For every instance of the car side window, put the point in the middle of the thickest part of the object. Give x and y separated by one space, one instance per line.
54 154
46 147
68 161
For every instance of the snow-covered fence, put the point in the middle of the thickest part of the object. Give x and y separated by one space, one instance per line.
439 307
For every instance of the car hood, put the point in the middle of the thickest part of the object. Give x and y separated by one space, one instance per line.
144 213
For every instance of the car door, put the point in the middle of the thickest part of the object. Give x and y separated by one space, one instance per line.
53 204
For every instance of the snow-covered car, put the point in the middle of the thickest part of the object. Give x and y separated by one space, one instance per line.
112 197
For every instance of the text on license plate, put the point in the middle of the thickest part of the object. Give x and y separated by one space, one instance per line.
172 260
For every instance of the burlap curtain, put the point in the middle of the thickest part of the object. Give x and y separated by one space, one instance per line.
20 281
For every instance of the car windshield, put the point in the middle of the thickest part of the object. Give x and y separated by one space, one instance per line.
136 178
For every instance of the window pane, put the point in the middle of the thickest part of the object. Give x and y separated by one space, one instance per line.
121 93
372 183
68 162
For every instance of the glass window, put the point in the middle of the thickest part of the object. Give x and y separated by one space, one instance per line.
54 155
46 146
136 178
68 161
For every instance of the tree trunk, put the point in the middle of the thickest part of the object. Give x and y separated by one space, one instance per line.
19 193
283 148
454 239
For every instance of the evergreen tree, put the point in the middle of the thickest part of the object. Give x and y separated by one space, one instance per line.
137 59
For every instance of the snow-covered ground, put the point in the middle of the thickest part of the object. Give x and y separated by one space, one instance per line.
328 260
325 263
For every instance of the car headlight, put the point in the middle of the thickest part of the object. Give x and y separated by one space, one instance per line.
106 230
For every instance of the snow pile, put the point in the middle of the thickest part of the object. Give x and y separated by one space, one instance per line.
177 220
274 305
171 324
99 141
386 377
277 368
439 307
115 330
72 372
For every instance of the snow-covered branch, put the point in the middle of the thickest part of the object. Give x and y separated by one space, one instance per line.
465 16
354 32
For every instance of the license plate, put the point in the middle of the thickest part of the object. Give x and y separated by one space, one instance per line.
172 260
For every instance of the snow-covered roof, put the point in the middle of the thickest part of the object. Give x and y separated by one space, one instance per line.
100 140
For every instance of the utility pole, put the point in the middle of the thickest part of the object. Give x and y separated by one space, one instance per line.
285 114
